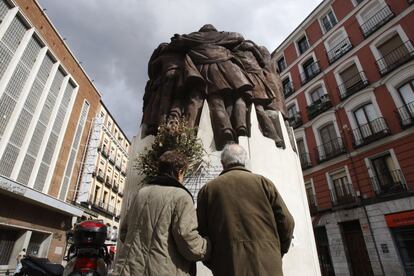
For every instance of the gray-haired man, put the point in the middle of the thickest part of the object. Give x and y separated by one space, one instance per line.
246 219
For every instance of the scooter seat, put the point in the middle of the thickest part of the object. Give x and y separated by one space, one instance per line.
42 266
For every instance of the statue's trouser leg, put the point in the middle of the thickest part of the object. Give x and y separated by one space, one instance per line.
167 91
266 124
239 116
194 106
220 119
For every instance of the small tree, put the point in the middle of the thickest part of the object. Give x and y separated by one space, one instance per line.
175 135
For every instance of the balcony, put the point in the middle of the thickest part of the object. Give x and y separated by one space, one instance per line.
105 153
318 107
100 177
305 160
370 132
343 195
310 72
123 172
115 188
396 58
313 208
352 85
118 166
112 159
339 50
390 182
108 182
288 89
295 120
377 21
330 150
121 192
406 115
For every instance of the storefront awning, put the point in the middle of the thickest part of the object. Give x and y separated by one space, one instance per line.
31 195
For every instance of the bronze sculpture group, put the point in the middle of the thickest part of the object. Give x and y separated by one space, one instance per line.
231 73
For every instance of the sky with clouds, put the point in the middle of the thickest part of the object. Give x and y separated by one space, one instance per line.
114 39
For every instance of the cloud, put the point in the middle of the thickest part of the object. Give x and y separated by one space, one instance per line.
114 39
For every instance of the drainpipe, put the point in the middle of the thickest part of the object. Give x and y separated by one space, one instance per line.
362 200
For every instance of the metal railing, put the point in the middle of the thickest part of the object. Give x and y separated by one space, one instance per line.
389 182
339 50
370 132
352 85
112 159
396 57
288 89
295 121
310 72
377 21
330 149
343 194
105 153
406 115
118 166
305 160
100 177
318 107
108 182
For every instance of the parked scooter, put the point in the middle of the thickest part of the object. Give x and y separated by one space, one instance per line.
33 266
88 255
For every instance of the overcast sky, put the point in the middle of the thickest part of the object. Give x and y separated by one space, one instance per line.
114 39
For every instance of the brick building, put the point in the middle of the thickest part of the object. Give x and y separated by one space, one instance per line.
47 106
348 77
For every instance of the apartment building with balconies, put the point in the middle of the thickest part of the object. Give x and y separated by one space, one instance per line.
46 105
102 181
348 78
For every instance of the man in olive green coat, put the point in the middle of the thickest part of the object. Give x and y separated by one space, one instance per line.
245 218
159 231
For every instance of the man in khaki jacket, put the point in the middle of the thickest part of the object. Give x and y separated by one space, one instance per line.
245 218
159 231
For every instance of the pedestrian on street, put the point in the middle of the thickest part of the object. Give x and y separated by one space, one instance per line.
159 232
244 216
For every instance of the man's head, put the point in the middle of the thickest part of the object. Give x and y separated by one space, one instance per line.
233 155
174 164
208 28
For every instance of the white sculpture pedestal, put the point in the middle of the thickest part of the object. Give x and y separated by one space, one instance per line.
281 166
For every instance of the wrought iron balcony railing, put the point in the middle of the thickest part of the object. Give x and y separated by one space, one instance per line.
310 72
370 132
288 89
118 166
406 115
105 153
100 177
318 107
108 182
305 160
339 50
389 182
295 120
396 57
377 21
352 85
313 208
330 149
343 194
115 188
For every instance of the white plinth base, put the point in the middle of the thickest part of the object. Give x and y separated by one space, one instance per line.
281 166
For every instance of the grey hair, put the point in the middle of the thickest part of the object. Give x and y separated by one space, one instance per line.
233 155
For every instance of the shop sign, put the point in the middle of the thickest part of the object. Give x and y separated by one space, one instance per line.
400 219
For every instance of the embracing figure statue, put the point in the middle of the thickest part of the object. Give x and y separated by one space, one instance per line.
231 73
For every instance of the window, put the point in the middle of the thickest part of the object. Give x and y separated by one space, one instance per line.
303 44
365 114
328 21
317 94
310 194
287 87
310 70
394 52
406 92
342 190
331 144
373 16
350 77
386 177
96 195
328 133
281 64
303 155
292 111
337 45
406 111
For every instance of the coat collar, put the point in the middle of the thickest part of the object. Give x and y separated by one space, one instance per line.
239 168
165 180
